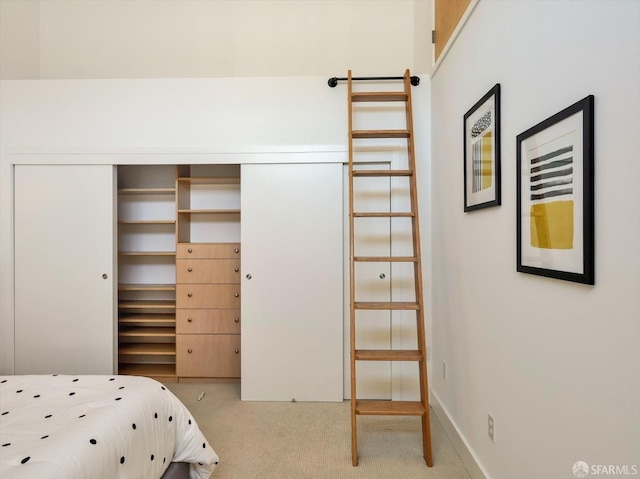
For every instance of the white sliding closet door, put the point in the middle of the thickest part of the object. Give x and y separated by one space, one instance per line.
64 269
292 304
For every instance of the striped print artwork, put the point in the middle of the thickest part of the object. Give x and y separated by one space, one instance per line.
551 194
482 152
481 148
555 200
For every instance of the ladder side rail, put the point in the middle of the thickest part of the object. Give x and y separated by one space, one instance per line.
414 201
352 310
422 346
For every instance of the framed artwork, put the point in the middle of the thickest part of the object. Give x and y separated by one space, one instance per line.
555 198
482 152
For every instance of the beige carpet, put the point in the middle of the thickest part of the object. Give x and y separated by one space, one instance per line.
274 440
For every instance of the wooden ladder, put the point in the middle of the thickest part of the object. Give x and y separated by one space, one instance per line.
387 407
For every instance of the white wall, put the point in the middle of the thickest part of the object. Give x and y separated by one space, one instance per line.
214 38
19 43
556 363
233 114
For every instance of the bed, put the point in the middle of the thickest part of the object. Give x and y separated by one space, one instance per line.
98 427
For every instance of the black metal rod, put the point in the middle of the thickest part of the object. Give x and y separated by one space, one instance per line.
415 81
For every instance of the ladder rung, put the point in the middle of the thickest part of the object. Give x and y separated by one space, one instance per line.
391 305
390 408
388 355
386 259
382 172
379 96
407 214
380 134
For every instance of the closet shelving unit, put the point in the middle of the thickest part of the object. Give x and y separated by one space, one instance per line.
190 211
147 311
208 272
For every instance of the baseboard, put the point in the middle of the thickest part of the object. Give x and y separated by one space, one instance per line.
459 444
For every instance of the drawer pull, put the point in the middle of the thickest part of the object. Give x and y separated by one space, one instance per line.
237 351
189 270
189 350
236 294
189 294
190 250
189 320
236 250
236 320
236 269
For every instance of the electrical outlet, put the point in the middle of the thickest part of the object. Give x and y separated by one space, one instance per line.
491 428
444 370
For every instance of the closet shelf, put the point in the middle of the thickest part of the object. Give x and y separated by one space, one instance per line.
147 304
210 212
147 253
148 332
210 180
147 191
160 349
147 319
147 287
147 222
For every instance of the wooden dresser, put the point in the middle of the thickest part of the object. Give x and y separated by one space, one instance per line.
208 310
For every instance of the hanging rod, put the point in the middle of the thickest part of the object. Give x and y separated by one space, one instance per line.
415 81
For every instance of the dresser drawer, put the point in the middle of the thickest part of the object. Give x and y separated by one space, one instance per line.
208 271
200 296
197 321
208 250
208 355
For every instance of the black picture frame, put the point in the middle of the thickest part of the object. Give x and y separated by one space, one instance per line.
555 195
482 185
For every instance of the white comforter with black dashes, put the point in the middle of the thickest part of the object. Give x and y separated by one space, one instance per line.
93 427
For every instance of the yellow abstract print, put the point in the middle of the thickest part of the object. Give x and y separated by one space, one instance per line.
552 225
487 163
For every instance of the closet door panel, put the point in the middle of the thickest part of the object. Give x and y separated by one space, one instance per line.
292 282
64 269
